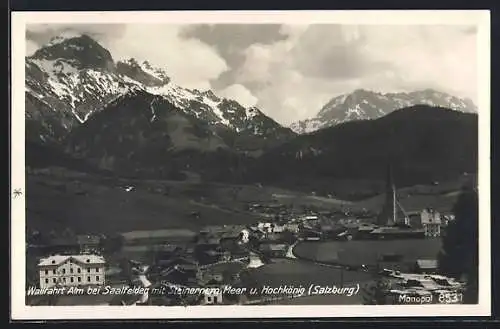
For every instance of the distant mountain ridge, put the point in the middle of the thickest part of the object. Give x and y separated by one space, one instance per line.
424 144
368 105
128 118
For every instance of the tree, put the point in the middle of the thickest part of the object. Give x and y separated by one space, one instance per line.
376 292
460 251
112 244
126 269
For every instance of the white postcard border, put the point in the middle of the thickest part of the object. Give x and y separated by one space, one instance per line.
480 18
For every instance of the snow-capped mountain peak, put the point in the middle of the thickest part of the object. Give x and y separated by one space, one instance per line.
76 77
143 72
363 104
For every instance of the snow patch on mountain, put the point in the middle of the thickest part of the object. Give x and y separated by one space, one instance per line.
153 71
251 112
367 105
80 83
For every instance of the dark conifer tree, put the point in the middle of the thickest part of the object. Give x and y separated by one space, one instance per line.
459 254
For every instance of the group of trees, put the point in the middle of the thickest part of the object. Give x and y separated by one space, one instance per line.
460 252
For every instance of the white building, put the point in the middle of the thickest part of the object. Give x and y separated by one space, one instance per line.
292 227
278 228
212 296
447 219
265 227
431 222
71 270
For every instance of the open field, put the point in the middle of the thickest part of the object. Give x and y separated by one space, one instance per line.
358 252
53 204
158 234
94 204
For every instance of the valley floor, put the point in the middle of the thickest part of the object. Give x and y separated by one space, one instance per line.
89 204
92 204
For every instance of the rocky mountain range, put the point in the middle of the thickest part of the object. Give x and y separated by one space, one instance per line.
368 105
87 111
73 77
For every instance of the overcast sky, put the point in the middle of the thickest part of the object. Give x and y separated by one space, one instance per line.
291 71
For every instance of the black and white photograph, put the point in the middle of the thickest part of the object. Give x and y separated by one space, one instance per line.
250 164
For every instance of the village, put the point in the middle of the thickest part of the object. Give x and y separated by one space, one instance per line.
272 260
216 264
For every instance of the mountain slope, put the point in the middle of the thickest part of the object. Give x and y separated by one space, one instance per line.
144 134
425 144
367 105
73 77
69 79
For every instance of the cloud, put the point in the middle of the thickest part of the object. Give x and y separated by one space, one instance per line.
31 47
40 34
293 78
189 62
230 40
291 71
239 93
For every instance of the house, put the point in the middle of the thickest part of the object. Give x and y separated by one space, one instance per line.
88 243
292 227
311 221
231 237
272 237
363 231
426 266
209 277
265 227
278 228
212 296
431 222
71 270
310 235
165 252
415 220
274 250
446 219
331 230
180 273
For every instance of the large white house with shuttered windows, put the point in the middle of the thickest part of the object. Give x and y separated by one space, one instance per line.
71 270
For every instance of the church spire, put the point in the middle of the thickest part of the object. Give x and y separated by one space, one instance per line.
388 215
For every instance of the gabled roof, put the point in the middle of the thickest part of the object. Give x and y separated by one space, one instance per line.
83 259
274 247
427 263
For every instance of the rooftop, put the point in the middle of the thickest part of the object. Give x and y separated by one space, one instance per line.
427 263
274 247
59 259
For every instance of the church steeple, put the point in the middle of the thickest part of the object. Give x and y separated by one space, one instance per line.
388 215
